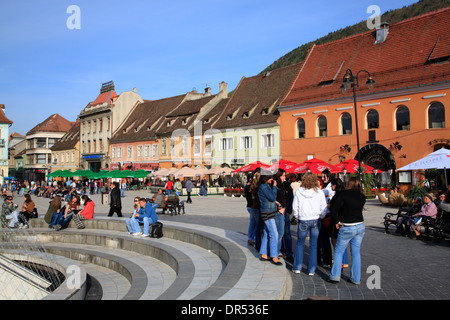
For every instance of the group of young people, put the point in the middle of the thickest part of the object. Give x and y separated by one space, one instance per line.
325 210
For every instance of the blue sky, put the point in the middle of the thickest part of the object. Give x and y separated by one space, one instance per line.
163 48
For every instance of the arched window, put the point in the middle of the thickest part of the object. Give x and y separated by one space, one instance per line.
322 126
436 115
372 119
402 118
301 128
346 123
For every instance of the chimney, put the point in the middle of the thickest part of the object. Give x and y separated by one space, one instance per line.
207 91
223 88
382 32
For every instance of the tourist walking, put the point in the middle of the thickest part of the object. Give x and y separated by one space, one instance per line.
346 214
188 186
308 208
115 203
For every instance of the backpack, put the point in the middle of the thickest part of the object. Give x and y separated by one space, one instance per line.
157 230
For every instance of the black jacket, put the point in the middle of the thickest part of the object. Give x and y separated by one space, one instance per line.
348 207
115 198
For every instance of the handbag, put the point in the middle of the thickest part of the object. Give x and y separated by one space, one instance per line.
326 222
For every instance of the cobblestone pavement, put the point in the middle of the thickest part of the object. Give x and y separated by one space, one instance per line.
409 269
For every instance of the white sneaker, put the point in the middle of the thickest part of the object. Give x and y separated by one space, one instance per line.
136 234
145 235
311 274
296 271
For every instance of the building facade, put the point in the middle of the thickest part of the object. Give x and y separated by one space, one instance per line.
247 128
39 140
98 122
401 119
5 123
66 152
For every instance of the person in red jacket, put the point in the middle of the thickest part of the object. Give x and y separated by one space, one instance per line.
86 214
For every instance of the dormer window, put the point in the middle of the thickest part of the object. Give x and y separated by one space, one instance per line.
169 123
265 111
230 116
245 115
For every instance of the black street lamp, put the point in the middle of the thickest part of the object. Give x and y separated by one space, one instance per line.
351 80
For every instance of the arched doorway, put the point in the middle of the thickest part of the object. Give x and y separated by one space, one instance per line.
377 156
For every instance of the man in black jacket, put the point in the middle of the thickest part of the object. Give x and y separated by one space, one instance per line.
115 202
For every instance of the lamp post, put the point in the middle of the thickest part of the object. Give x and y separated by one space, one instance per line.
351 80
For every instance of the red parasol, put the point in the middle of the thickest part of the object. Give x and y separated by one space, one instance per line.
252 167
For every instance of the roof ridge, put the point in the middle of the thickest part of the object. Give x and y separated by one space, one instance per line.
362 34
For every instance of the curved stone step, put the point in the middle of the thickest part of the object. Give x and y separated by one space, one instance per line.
242 275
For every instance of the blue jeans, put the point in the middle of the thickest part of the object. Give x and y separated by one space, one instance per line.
269 242
146 222
354 235
56 217
130 225
254 217
286 245
279 220
304 227
64 222
155 205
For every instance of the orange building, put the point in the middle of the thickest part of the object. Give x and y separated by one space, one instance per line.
400 120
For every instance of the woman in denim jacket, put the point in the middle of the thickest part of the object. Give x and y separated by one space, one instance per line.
267 194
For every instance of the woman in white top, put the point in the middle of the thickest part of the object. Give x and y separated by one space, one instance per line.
308 207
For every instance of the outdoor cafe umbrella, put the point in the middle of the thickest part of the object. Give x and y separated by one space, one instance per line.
164 172
65 174
219 171
352 166
286 165
186 172
54 174
313 165
140 173
252 167
439 159
82 173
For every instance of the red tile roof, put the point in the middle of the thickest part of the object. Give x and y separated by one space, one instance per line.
255 99
104 97
54 123
3 118
145 119
416 52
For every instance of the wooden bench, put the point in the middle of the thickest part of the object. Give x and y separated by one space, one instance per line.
174 206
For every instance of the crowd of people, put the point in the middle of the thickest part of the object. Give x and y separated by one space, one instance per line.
325 210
